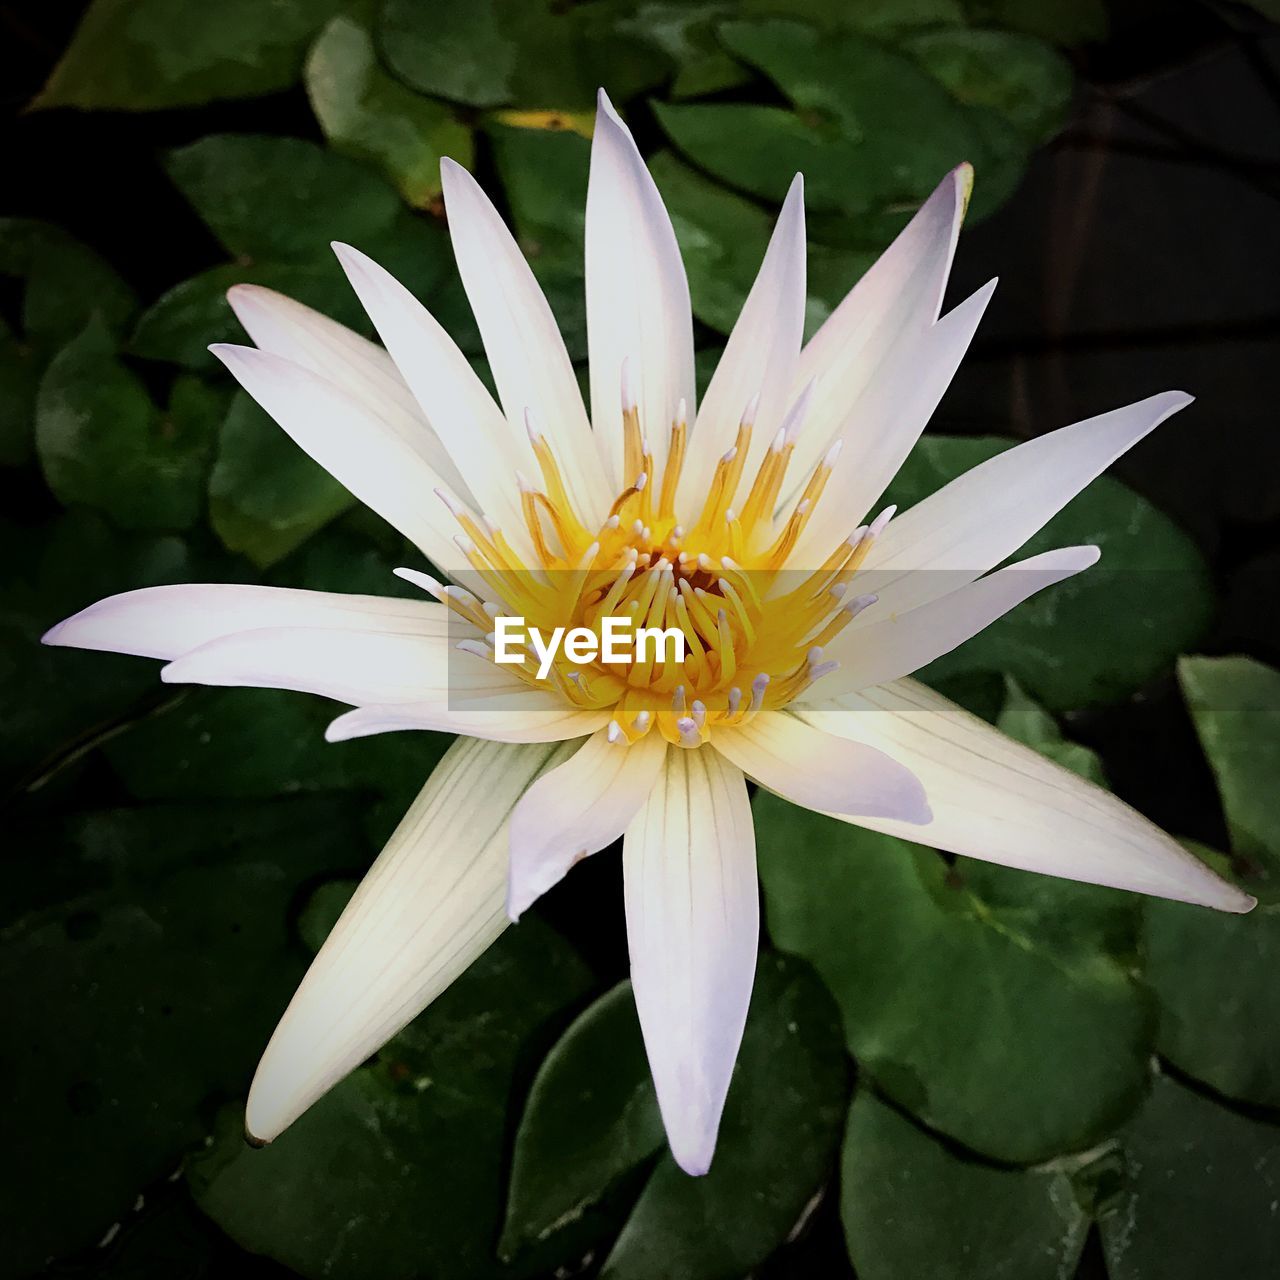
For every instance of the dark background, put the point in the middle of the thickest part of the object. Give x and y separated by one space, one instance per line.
1141 251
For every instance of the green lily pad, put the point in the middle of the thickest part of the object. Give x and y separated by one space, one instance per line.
532 53
146 55
369 116
856 159
182 323
281 199
1199 1195
1025 81
1065 22
398 1171
55 701
145 967
1235 704
591 1117
913 1207
1073 645
267 497
777 1144
66 284
967 996
103 444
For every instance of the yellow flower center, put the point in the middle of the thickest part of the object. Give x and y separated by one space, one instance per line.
753 637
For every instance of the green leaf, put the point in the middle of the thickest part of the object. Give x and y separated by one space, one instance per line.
20 369
912 1207
967 995
146 55
67 284
544 175
55 699
1022 79
1215 977
181 324
534 53
1215 973
281 199
1235 704
1066 22
777 1143
1200 1194
723 240
1076 644
399 1170
267 497
251 743
152 953
590 1118
369 116
103 444
859 158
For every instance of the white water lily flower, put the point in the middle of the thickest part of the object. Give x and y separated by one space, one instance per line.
740 522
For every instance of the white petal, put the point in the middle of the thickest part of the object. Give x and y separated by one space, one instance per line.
995 799
898 299
352 443
693 922
351 666
812 768
985 515
287 328
166 622
760 358
576 810
431 903
884 423
637 297
903 643
531 367
526 715
485 448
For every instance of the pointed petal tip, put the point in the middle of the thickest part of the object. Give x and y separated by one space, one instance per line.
51 636
252 1140
694 1158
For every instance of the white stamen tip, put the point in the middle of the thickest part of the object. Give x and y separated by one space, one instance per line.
839 589
615 731
423 580
688 730
829 458
464 544
677 700
822 669
704 560
735 700
699 712
678 531
524 484
814 656
637 527
492 608
531 426
876 527
473 646
682 411
613 522
803 505
455 507
729 455
641 722
859 603
749 413
641 480
779 440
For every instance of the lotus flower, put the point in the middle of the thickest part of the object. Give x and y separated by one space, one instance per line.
741 521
